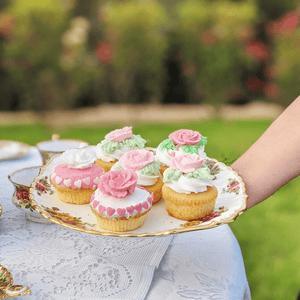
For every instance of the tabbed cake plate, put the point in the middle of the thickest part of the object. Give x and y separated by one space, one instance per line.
230 203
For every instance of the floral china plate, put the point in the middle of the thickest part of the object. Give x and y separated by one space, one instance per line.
230 203
13 150
7 289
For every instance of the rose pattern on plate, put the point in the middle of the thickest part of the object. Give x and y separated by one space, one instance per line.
43 186
232 187
54 212
216 213
22 195
5 280
213 166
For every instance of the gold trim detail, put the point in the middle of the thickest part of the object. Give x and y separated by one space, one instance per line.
19 170
213 224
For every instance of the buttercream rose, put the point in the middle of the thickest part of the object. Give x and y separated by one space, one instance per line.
118 183
185 137
186 162
79 158
136 159
119 135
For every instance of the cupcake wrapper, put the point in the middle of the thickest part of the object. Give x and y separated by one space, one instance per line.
155 189
73 196
190 206
105 165
120 225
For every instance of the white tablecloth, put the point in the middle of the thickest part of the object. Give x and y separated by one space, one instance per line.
59 263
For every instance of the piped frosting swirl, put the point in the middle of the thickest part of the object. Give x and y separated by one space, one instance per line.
181 141
188 173
143 163
118 142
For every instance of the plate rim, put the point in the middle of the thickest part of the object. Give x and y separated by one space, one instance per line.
17 156
210 225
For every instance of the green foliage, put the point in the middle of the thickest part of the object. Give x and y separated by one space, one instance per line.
32 53
46 73
51 58
274 9
287 66
136 31
207 35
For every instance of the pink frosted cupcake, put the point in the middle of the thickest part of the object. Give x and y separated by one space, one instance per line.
144 164
179 142
77 177
119 205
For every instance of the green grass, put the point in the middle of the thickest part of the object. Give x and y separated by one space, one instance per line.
268 233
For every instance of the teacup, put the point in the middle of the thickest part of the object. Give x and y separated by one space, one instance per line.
57 146
22 179
7 289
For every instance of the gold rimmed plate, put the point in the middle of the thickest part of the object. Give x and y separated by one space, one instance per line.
230 203
10 150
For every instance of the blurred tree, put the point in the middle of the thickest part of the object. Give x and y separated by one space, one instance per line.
137 40
260 47
31 55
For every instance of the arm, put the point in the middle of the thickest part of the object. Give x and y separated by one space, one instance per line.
274 159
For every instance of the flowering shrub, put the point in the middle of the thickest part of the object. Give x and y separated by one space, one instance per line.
286 67
121 51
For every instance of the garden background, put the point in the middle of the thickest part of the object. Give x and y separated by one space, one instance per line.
82 68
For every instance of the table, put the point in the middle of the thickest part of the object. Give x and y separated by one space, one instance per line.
59 263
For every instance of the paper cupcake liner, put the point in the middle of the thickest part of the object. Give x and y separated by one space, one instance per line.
121 224
73 196
155 189
189 206
105 165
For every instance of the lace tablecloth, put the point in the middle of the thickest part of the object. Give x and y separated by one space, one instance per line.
58 263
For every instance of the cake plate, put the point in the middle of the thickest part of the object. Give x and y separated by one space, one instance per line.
230 203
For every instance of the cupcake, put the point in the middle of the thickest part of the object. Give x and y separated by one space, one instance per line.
188 189
180 141
76 179
119 205
115 144
144 164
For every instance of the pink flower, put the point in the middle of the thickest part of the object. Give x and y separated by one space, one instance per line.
254 84
136 159
257 50
271 90
104 52
118 183
186 162
120 135
185 137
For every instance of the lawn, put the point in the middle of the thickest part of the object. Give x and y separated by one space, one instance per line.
267 233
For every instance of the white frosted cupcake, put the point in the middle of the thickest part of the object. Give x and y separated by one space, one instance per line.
144 164
119 205
188 189
180 141
115 144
